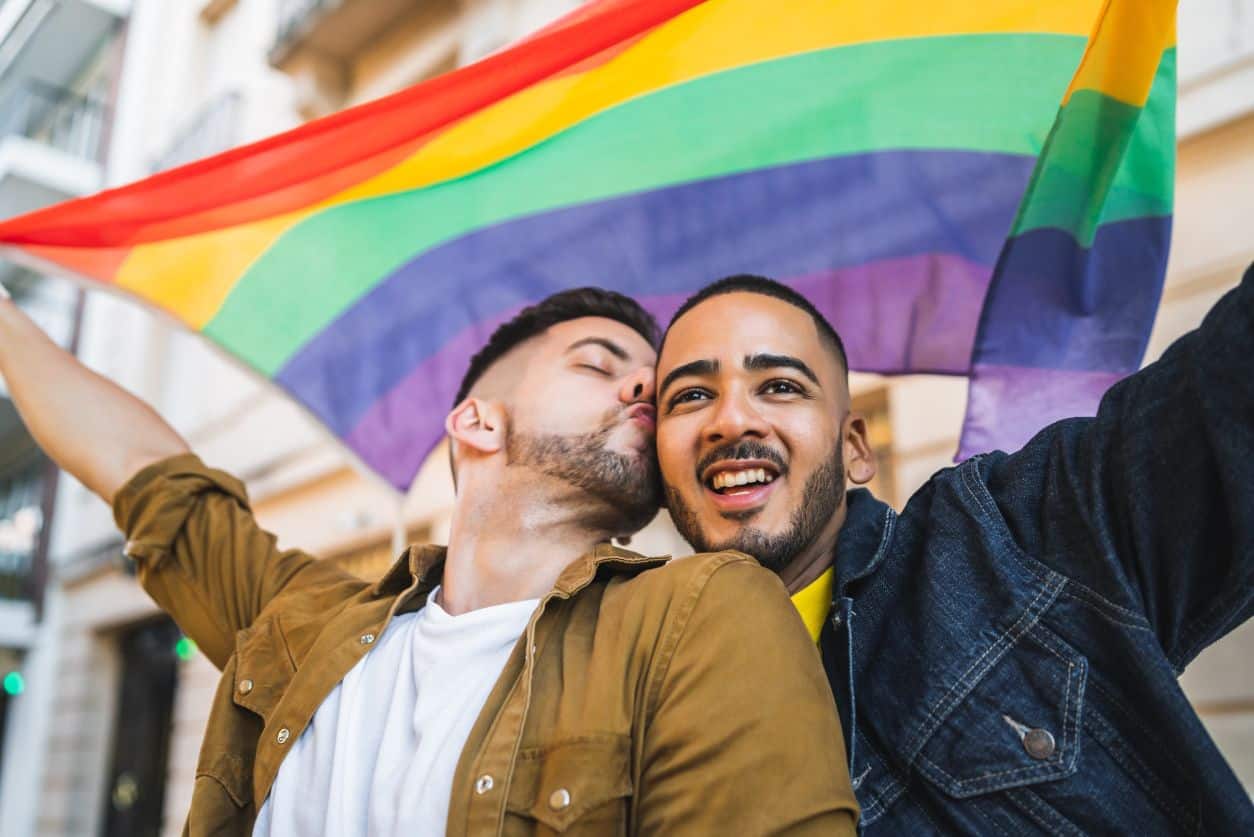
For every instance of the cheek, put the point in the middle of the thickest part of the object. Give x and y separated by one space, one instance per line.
569 407
675 449
809 444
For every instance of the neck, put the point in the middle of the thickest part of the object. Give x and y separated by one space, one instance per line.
814 560
510 543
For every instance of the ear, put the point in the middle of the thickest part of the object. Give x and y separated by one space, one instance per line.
477 426
859 456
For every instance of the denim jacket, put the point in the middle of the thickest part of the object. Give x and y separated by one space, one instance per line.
1007 647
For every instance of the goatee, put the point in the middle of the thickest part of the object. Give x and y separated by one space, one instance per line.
823 494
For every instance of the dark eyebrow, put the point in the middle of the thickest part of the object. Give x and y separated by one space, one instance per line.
757 363
609 345
696 367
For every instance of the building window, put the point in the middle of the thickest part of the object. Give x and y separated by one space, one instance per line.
21 519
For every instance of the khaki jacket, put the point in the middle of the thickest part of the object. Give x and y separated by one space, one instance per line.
645 697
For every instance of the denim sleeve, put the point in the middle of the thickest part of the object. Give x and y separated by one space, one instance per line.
1150 505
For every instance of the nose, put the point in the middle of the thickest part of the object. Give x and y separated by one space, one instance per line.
734 418
638 386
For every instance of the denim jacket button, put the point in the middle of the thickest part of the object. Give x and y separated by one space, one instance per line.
1039 743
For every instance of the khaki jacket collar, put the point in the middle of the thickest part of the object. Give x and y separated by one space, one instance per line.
425 565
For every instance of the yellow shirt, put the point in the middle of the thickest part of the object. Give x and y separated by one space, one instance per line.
814 601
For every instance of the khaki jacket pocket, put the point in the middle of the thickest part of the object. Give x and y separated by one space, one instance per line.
573 786
263 668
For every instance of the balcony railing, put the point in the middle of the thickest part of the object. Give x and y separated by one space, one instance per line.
293 16
57 117
214 128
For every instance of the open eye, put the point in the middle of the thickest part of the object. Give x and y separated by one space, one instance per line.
782 386
687 396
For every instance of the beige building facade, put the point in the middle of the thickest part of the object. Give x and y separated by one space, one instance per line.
234 70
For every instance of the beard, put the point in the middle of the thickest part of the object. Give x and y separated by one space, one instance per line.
625 489
824 491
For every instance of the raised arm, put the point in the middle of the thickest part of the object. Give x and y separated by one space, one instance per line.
190 530
88 425
1151 504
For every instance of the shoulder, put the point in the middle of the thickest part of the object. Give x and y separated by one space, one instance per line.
726 582
694 572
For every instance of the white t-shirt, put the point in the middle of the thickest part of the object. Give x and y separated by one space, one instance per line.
379 756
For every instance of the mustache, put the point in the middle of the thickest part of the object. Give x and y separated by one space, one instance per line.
742 450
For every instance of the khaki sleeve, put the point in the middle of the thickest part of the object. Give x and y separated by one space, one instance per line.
199 552
744 737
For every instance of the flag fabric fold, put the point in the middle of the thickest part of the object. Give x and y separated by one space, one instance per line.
1071 303
874 155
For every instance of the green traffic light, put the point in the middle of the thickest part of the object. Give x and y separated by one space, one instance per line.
14 683
185 648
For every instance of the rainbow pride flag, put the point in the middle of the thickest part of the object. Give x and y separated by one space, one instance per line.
875 154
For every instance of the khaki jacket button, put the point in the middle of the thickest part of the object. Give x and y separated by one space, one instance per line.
283 735
483 784
559 799
245 686
366 639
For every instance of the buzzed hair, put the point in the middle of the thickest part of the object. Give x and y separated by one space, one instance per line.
749 283
558 308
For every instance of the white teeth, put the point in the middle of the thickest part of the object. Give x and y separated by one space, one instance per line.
732 479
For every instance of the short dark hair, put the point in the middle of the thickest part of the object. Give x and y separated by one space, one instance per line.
748 283
558 308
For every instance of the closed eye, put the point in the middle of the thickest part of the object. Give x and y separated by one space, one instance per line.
593 368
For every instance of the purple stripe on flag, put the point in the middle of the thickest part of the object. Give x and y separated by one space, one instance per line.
1057 304
803 219
1008 405
1060 324
915 314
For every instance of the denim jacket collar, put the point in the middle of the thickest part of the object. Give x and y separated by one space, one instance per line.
863 541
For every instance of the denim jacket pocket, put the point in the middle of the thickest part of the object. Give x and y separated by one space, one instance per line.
574 786
1018 725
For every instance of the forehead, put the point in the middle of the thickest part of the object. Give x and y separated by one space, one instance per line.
560 337
730 327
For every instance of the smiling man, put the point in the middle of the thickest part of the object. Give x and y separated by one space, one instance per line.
1004 652
530 678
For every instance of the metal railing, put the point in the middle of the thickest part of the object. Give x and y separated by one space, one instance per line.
293 15
61 118
214 128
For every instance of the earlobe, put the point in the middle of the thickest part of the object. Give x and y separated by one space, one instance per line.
860 466
475 425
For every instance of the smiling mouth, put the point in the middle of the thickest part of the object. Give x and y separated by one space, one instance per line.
738 487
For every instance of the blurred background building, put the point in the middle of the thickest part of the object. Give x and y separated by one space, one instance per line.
103 701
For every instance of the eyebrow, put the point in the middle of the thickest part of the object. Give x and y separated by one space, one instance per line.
696 367
759 362
609 345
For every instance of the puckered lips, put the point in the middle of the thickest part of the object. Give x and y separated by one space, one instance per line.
739 485
644 415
